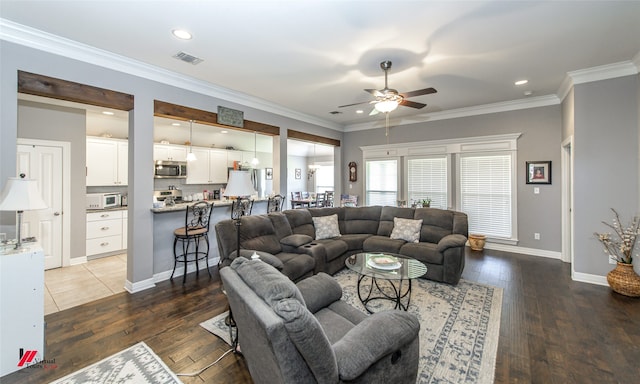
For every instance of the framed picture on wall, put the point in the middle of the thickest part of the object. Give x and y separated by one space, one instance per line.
298 173
538 172
269 173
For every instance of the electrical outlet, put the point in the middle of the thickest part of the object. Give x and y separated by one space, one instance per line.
536 236
612 260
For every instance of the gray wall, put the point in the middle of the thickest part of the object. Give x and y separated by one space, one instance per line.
606 164
540 140
48 122
16 57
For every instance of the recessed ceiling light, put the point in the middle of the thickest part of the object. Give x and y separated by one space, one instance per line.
107 113
224 131
359 111
528 93
175 124
521 82
181 34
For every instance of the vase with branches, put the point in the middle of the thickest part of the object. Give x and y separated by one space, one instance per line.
621 244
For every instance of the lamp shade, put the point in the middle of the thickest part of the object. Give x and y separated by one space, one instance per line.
21 195
239 184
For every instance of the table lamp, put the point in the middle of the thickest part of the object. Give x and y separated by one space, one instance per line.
20 194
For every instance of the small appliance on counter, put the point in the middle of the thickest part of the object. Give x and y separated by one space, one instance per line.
174 195
103 200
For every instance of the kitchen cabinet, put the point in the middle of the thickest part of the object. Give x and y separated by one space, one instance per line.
208 168
104 232
169 152
107 162
22 298
125 226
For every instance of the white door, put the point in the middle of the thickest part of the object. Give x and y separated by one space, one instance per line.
44 163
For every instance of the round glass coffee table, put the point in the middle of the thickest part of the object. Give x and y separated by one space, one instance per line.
386 276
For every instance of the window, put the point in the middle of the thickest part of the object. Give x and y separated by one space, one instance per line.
381 182
427 178
485 188
324 179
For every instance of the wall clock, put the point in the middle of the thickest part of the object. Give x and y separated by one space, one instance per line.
353 171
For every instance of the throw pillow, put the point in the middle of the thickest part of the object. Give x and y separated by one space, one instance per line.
406 229
326 226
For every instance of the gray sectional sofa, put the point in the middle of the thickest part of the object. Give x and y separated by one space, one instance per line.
288 240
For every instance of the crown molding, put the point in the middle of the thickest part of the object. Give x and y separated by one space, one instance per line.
43 41
602 72
504 106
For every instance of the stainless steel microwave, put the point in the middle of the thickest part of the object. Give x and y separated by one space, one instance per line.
170 169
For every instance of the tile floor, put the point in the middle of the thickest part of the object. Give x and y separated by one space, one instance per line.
71 286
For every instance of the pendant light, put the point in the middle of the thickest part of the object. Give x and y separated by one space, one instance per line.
190 155
255 161
313 167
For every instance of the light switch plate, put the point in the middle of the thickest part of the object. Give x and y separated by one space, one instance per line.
536 190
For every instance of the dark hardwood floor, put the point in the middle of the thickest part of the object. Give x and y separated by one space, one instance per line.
553 330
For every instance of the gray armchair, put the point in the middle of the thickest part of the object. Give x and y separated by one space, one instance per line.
305 333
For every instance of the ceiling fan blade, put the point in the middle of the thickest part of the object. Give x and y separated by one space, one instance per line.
374 112
374 92
419 92
351 105
412 104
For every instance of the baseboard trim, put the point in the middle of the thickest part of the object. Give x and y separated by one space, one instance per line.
589 278
524 250
78 260
139 285
191 267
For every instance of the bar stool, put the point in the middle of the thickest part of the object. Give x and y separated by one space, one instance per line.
196 229
275 203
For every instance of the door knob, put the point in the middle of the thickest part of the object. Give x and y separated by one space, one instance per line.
56 213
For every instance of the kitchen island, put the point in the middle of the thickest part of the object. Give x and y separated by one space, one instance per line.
168 219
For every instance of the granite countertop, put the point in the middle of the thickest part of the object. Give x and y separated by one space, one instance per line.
182 206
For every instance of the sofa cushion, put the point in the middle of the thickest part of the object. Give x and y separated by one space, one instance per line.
362 219
425 252
326 227
268 283
280 224
387 214
296 265
382 244
309 338
300 221
296 240
319 291
257 232
406 229
334 248
436 223
354 241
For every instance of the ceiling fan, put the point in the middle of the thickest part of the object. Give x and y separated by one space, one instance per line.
388 99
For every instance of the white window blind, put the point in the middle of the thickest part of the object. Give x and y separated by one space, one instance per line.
485 193
427 178
381 182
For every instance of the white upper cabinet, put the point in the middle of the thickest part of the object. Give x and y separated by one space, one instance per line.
210 167
169 152
107 162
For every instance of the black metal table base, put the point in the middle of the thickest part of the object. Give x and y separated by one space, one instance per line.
392 291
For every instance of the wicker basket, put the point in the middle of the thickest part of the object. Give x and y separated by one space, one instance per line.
624 280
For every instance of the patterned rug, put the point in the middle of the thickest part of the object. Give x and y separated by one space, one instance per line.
459 327
135 365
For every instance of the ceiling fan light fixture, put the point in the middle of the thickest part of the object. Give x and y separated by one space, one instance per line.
387 106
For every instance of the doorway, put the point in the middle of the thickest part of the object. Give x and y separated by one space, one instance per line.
48 163
567 202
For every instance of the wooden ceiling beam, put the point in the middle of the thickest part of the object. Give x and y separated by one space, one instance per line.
39 85
293 134
180 112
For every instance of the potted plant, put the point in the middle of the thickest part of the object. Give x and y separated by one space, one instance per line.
426 203
620 246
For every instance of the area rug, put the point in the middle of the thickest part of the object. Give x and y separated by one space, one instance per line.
459 327
135 365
